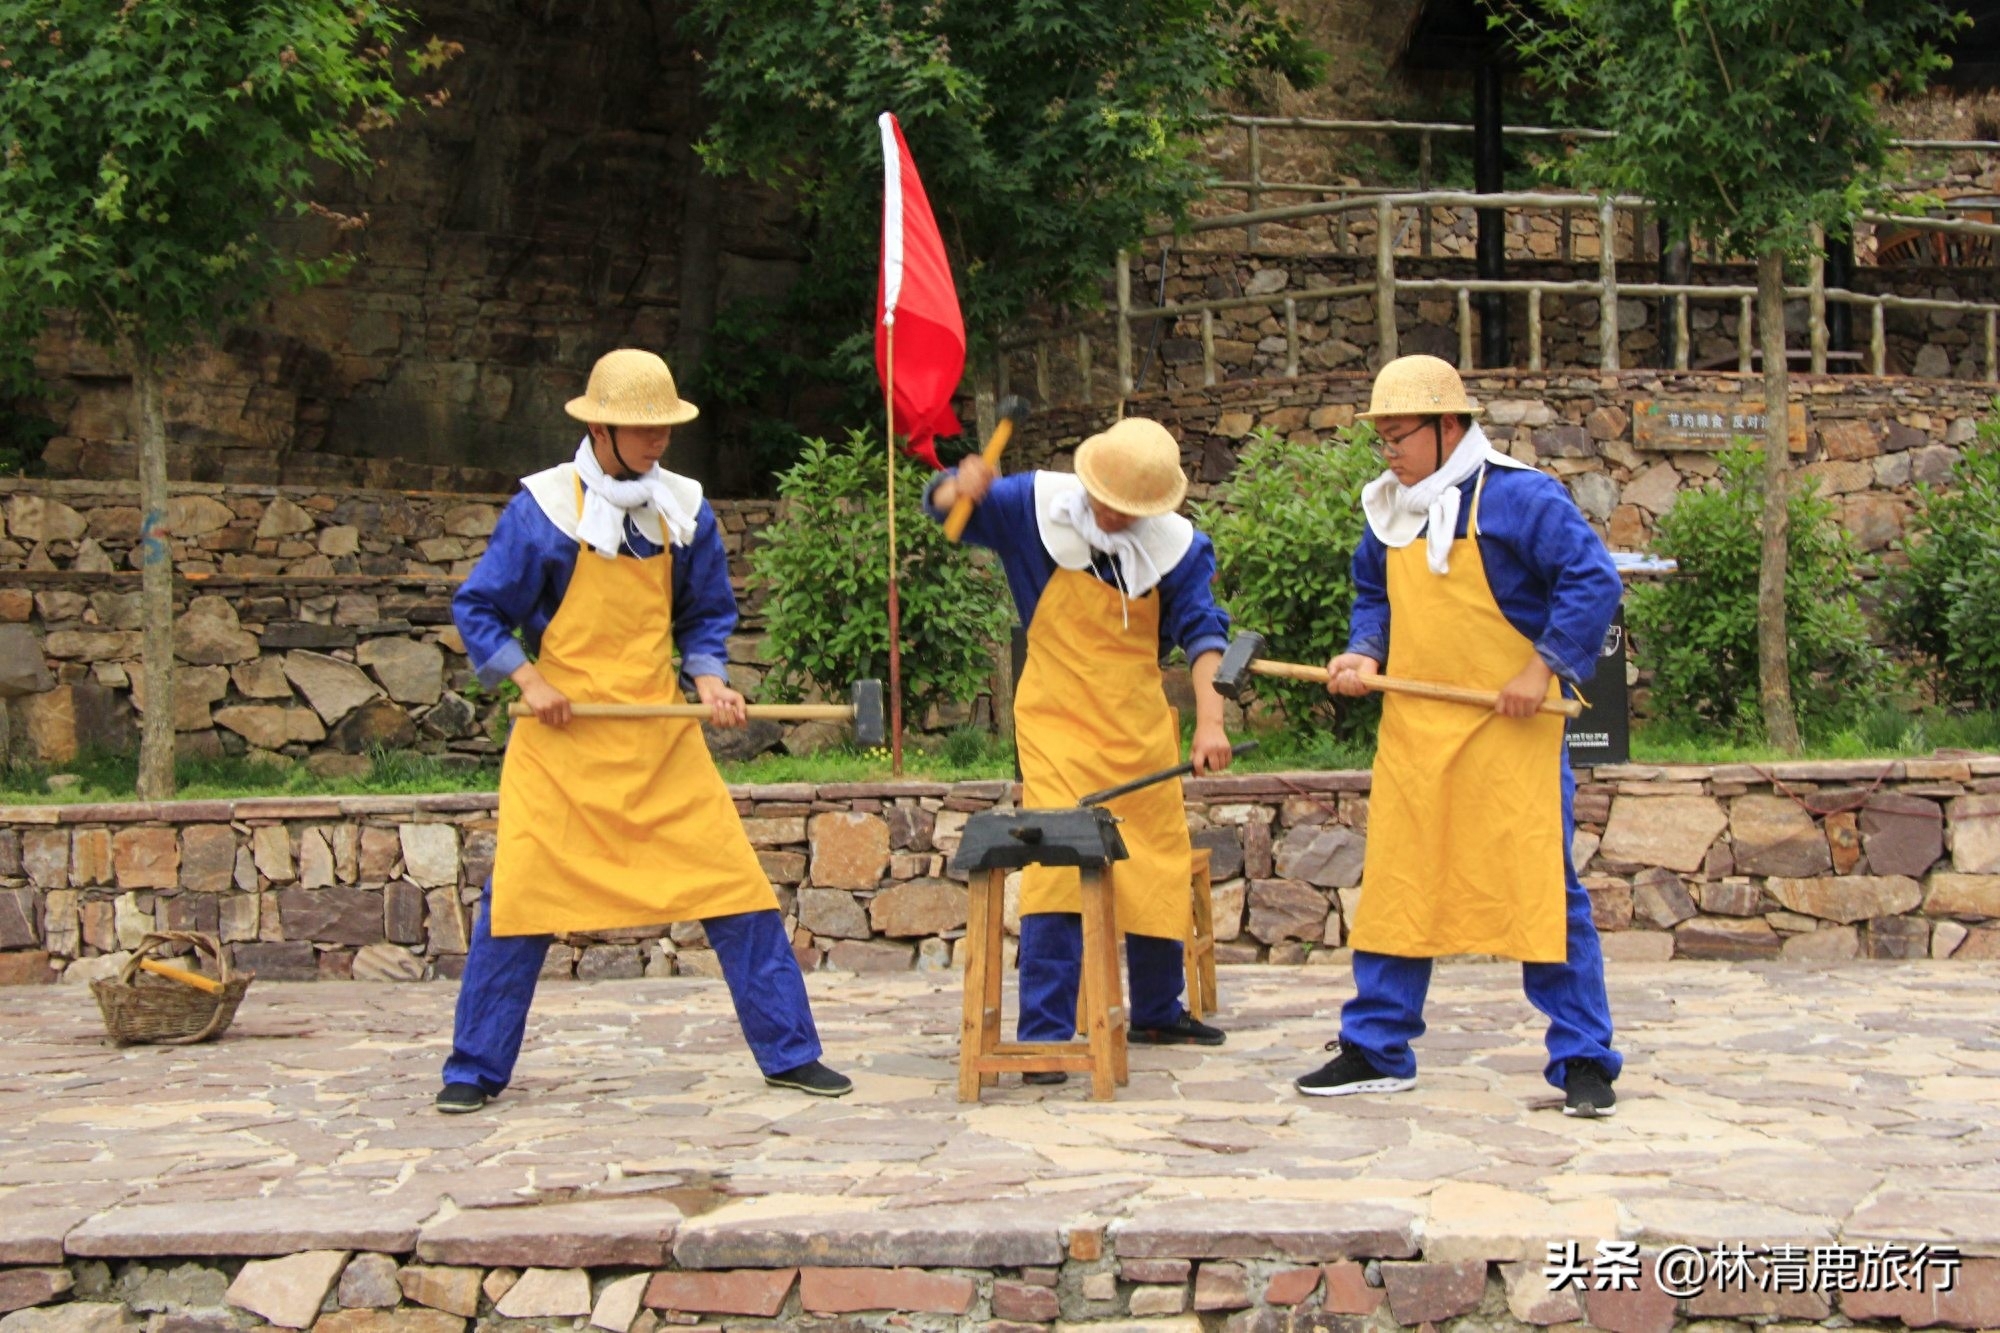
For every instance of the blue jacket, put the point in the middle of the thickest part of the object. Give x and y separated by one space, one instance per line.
519 583
1549 573
1004 522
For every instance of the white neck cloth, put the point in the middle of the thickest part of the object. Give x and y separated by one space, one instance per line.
607 504
1397 513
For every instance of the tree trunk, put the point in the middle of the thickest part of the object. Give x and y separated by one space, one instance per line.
1781 725
156 588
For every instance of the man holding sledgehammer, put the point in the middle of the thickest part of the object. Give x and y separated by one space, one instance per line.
606 565
1107 577
1479 572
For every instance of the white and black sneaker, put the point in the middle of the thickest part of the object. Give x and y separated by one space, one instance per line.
1587 1093
1348 1074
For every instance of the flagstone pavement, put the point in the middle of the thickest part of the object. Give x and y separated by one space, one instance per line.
1761 1103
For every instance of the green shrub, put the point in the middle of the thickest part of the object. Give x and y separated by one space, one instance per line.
824 571
1697 631
1285 529
1945 607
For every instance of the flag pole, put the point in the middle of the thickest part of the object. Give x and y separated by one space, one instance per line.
895 605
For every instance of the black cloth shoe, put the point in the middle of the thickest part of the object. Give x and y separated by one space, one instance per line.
1349 1074
459 1098
1187 1030
1586 1092
812 1078
1045 1078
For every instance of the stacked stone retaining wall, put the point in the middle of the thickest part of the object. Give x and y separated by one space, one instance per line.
1801 861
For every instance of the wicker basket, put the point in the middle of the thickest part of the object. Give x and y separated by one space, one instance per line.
140 1007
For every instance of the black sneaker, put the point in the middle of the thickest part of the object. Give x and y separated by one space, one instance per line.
459 1098
812 1078
1349 1074
1187 1030
1586 1092
1044 1078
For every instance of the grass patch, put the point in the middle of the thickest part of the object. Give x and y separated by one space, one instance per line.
115 777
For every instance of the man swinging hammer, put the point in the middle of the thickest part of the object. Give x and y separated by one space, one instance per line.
606 565
1477 572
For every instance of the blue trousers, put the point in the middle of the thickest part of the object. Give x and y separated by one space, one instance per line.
1052 971
1387 1011
764 980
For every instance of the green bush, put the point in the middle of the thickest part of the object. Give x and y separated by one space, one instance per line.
1945 607
1285 529
1697 631
824 572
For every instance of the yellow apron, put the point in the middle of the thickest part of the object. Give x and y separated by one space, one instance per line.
615 822
1465 821
1090 713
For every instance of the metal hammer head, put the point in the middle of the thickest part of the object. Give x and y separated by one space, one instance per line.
1013 408
869 728
1234 672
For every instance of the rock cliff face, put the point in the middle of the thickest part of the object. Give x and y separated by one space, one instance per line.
552 209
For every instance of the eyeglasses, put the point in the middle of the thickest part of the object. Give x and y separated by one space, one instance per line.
1391 446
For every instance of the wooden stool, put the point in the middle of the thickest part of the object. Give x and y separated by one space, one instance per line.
993 844
1197 951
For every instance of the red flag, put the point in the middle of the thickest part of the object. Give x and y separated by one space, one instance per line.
916 297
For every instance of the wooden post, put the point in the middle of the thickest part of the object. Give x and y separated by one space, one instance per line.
1124 325
1083 366
1607 286
1680 331
1878 344
1385 279
1992 347
1423 186
1816 301
1291 338
1255 193
895 602
1208 348
1746 322
1534 328
1464 331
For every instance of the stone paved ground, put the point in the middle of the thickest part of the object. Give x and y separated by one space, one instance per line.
1762 1103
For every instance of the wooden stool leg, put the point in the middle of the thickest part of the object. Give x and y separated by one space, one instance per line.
995 941
972 1027
1102 984
1201 938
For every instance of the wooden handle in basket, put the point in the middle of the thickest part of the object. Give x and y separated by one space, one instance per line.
182 975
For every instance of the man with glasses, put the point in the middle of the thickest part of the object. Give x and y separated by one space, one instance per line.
1480 572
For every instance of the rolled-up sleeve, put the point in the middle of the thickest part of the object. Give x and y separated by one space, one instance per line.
1368 620
704 603
511 579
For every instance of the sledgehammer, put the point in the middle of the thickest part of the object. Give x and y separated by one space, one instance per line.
1013 411
1241 661
864 707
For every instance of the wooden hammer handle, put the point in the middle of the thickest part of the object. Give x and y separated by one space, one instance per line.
182 975
1423 689
961 509
778 712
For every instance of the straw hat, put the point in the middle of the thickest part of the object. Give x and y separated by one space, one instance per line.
631 387
1418 386
1134 467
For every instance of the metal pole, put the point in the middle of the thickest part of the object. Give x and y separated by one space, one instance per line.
1489 177
1385 280
1607 286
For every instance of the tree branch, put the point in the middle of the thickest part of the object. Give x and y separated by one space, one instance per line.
1716 46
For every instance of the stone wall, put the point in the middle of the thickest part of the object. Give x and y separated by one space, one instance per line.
312 625
1799 861
1868 441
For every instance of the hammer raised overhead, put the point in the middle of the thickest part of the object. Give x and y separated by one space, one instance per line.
1241 661
864 707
